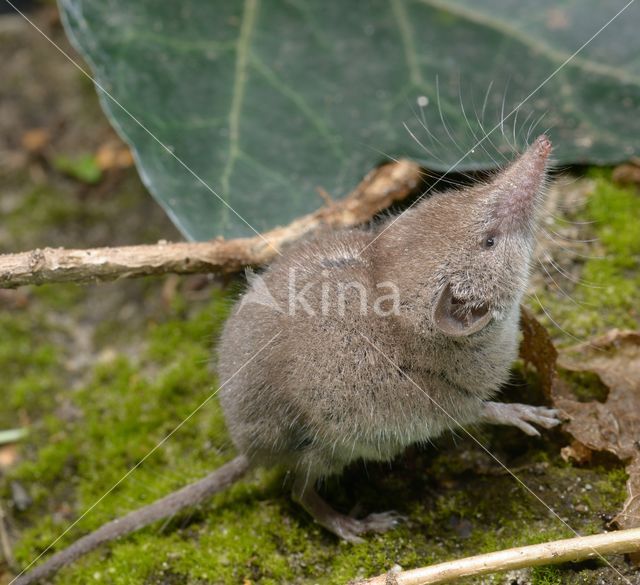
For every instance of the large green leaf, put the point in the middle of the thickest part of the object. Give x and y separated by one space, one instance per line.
261 103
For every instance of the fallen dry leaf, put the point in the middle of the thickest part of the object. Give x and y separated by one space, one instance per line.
627 173
612 425
114 154
14 298
538 350
36 140
577 452
8 456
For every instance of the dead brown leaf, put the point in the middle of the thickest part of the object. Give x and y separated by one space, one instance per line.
538 350
36 140
612 426
14 298
577 452
627 173
8 455
113 154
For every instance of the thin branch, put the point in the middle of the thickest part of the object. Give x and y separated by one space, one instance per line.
379 189
559 551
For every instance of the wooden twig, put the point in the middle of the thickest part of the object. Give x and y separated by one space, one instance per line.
379 189
558 551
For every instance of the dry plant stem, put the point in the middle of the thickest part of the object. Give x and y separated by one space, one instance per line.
5 543
379 189
559 551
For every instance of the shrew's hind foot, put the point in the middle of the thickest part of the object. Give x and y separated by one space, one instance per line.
350 529
345 527
523 416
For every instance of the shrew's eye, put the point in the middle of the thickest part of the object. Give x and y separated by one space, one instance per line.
489 242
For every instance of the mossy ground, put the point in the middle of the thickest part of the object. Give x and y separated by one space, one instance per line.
102 374
144 374
603 292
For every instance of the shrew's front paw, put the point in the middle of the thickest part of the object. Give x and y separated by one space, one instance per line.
521 415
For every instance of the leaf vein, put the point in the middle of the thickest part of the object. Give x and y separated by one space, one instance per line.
239 85
408 41
299 101
553 54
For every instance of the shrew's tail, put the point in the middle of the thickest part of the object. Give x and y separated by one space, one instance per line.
166 507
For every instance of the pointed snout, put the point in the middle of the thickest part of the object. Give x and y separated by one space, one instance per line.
519 185
542 146
539 152
527 173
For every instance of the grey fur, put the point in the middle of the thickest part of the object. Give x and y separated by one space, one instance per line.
316 386
336 386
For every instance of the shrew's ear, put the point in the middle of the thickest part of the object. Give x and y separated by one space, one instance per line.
454 319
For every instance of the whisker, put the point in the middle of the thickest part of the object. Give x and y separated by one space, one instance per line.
566 294
484 103
571 250
431 134
522 127
504 99
444 125
473 133
534 125
547 130
559 218
568 239
557 325
569 277
424 172
497 149
515 123
421 145
486 136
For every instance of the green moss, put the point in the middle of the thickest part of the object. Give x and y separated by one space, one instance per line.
607 294
586 386
59 212
199 331
61 297
546 576
253 532
42 214
610 486
124 415
89 428
29 364
83 168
